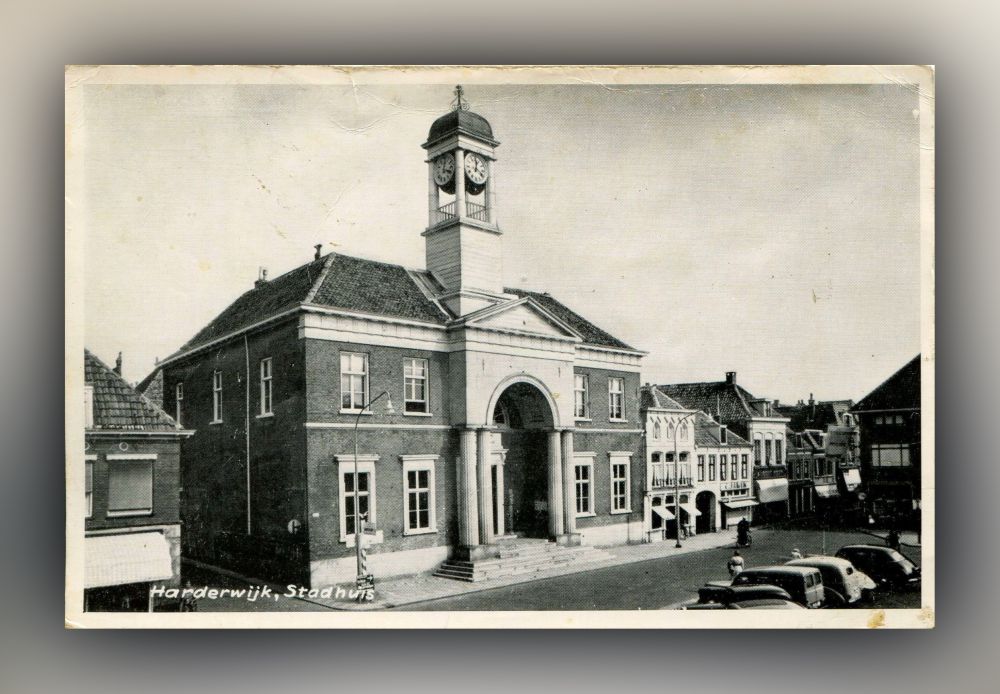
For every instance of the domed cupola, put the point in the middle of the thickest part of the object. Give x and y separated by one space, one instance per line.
462 236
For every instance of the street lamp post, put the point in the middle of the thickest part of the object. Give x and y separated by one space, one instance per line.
357 509
677 477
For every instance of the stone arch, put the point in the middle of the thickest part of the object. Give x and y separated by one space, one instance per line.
529 380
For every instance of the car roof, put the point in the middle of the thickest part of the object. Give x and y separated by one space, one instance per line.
878 547
768 602
821 560
784 569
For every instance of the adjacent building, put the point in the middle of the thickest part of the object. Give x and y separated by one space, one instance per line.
823 461
133 527
694 465
889 420
511 414
754 420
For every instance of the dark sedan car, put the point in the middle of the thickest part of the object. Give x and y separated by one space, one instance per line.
884 565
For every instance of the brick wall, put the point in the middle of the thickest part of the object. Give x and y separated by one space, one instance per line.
598 380
166 479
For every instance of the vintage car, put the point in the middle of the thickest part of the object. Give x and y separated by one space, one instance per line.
803 583
843 584
884 565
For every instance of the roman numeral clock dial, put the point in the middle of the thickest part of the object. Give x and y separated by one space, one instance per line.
476 172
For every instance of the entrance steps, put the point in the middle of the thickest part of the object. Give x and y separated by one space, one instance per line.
515 556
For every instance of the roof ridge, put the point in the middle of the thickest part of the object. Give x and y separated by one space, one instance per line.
320 278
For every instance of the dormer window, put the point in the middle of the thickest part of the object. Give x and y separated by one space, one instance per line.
723 435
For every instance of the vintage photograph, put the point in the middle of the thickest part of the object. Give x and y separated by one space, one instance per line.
500 347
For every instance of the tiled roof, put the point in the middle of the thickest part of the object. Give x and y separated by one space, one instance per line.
117 406
726 401
820 415
898 392
366 286
651 396
592 335
706 433
152 387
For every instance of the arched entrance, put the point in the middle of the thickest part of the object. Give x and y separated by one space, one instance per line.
705 503
523 421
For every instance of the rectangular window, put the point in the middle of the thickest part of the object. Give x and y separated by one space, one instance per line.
581 396
265 386
722 468
732 467
768 443
418 499
711 468
365 498
616 398
620 486
90 488
890 456
178 402
415 385
130 485
744 467
723 435
701 468
778 445
584 476
353 381
216 396
756 452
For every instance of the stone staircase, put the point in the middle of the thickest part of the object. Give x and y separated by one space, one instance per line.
516 556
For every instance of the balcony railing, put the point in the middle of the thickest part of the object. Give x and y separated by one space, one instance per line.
660 482
443 213
476 211
770 472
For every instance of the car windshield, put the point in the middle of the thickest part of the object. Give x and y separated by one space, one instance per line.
908 566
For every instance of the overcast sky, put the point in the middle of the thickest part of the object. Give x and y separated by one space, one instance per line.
768 230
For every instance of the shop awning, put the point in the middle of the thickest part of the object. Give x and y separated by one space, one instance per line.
852 478
691 509
826 491
114 560
742 503
772 490
663 513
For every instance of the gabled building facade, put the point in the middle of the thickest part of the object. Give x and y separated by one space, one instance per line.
132 458
754 420
889 420
695 465
511 413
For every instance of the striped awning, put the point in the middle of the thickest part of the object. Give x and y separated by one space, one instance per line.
663 513
114 560
772 490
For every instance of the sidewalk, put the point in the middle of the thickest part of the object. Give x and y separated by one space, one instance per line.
406 590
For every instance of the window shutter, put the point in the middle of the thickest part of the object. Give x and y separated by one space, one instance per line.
131 486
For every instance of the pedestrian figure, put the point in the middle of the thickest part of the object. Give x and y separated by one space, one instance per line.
188 601
743 532
892 539
735 564
796 554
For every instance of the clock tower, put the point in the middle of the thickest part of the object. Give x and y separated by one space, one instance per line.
462 238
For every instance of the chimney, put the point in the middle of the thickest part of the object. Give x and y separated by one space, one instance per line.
812 407
319 251
731 378
118 364
261 278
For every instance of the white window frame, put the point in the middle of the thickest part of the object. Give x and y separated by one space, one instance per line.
266 387
656 430
620 458
417 463
88 461
216 397
88 406
117 458
345 467
365 375
407 364
584 395
178 401
612 393
586 461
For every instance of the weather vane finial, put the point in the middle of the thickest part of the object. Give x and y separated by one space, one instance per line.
460 103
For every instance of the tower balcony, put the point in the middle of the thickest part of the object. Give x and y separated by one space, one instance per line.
445 213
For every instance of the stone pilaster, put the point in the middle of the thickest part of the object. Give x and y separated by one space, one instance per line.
570 536
557 508
468 501
483 463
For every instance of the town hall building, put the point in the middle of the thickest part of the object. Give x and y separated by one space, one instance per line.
449 415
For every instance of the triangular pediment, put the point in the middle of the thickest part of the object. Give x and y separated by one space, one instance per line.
524 316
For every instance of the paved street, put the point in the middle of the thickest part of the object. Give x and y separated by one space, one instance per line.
659 582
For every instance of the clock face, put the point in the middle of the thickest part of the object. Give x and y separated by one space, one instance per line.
476 169
444 169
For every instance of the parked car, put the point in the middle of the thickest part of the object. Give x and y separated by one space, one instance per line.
884 565
843 584
725 594
759 604
803 583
